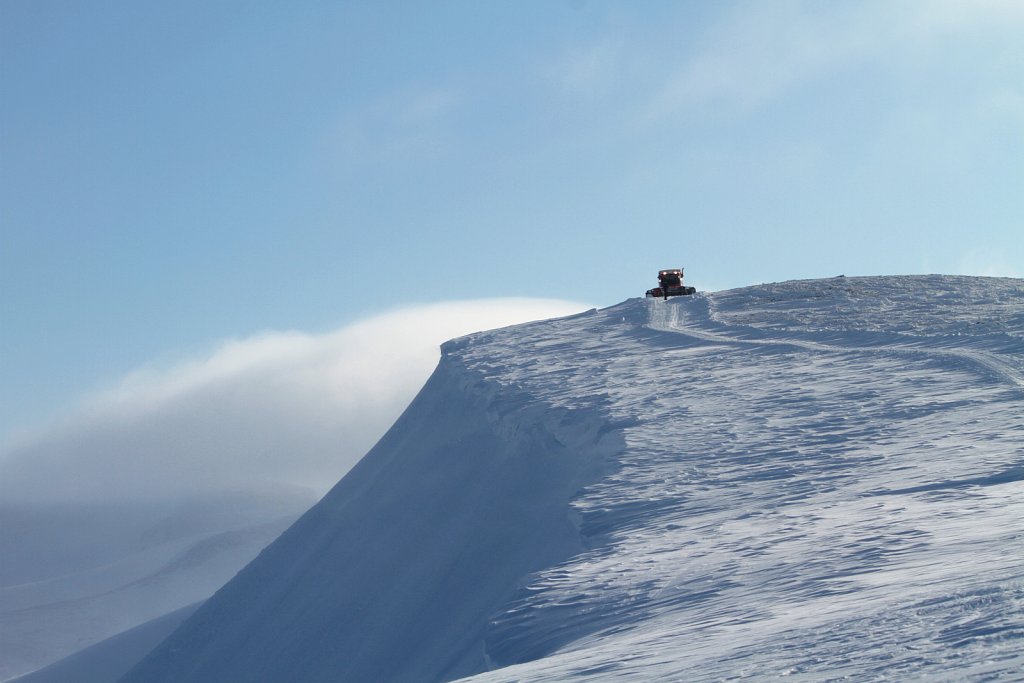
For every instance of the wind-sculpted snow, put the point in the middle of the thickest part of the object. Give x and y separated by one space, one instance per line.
930 306
805 489
817 479
392 576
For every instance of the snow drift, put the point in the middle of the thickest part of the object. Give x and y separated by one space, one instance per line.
822 478
409 553
151 495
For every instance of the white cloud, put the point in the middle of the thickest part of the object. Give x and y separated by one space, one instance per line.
280 408
408 123
759 51
932 18
756 52
589 69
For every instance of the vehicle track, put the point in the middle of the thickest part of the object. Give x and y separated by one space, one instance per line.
694 318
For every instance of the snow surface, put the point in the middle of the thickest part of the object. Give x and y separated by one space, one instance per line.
822 480
73 575
108 660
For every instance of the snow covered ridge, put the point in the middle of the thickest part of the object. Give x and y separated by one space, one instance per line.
926 305
821 479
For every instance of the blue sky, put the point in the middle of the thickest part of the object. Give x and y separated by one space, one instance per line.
176 174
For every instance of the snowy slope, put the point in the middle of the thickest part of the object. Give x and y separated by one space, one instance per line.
76 574
108 660
822 479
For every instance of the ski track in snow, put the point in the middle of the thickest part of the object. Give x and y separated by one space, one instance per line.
822 480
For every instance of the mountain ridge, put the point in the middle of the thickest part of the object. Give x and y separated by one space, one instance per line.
521 457
812 477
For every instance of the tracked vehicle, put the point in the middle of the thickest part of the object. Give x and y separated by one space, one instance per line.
670 283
